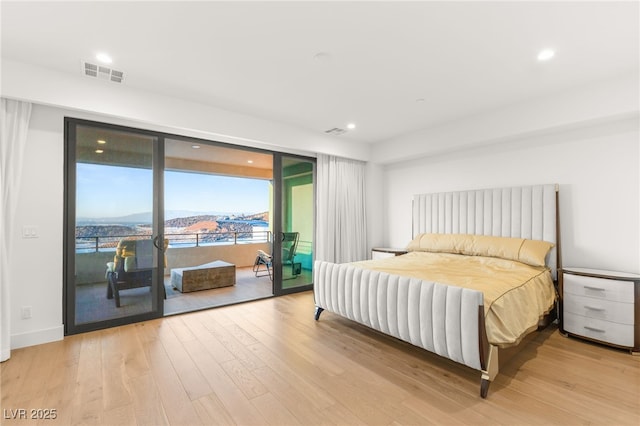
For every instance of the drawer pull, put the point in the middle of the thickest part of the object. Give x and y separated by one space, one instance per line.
593 308
594 329
593 288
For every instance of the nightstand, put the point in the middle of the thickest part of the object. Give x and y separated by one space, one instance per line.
603 306
382 252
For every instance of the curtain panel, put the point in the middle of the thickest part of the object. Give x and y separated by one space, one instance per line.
14 124
341 216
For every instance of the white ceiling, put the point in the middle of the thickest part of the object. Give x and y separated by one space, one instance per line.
259 58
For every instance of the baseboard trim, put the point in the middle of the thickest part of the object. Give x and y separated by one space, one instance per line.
37 337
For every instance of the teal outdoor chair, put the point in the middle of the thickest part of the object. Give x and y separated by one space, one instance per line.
263 264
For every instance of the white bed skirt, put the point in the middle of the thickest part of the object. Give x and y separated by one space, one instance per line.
440 318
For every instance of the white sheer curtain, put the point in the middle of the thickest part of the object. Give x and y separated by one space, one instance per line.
14 123
341 217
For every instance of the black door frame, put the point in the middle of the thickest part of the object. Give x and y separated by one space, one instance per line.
69 293
278 282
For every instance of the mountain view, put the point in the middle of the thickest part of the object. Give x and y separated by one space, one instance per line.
194 207
105 233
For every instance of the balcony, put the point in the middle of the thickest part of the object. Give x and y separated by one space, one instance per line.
186 249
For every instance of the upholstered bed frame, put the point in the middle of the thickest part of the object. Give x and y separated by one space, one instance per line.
443 319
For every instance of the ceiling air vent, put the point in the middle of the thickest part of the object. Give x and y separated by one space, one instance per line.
336 131
102 72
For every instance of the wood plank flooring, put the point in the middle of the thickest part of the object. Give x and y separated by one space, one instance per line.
269 363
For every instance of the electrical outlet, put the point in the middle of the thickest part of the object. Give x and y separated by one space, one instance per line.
26 312
29 232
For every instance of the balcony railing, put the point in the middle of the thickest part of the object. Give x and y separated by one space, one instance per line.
98 243
209 238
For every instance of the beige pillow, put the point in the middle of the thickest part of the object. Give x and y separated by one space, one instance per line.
126 248
534 252
531 252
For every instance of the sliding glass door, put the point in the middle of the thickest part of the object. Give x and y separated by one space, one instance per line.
159 224
114 260
295 238
217 204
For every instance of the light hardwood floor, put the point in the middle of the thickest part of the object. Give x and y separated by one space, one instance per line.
269 363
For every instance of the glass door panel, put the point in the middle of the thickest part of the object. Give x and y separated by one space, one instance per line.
217 202
296 239
112 176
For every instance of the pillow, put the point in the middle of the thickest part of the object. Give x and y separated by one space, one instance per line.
531 252
126 248
534 252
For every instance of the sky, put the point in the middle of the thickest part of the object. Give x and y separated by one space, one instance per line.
111 191
204 192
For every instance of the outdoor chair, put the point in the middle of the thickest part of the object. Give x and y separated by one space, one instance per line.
263 264
132 267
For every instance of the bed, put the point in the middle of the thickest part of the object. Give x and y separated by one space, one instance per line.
478 276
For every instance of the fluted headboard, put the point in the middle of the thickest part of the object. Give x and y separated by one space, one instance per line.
521 212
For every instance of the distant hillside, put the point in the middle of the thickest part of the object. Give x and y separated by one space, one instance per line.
132 219
92 231
219 224
181 216
258 216
184 222
145 217
204 226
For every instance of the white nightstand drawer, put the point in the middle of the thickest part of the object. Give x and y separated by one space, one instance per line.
381 255
599 308
605 331
600 288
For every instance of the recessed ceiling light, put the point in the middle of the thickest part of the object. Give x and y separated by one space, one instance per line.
104 58
546 54
351 126
195 146
99 151
250 161
101 141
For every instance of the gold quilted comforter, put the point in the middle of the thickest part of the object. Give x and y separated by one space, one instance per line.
516 295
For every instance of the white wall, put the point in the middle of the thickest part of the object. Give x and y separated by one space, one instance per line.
597 167
36 264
